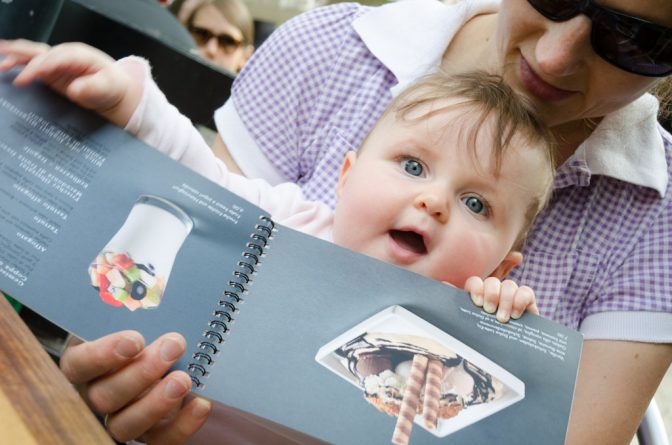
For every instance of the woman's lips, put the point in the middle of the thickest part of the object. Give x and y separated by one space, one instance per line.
538 87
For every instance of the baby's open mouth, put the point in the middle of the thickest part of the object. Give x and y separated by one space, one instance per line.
409 240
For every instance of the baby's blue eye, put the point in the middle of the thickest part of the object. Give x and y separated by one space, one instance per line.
475 205
413 167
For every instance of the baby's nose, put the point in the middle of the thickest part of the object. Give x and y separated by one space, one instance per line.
434 205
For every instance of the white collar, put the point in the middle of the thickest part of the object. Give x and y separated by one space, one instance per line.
627 145
410 36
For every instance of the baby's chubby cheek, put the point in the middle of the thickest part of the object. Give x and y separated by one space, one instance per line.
345 236
455 269
348 229
454 279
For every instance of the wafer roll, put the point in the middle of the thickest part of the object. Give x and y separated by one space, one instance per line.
430 407
410 400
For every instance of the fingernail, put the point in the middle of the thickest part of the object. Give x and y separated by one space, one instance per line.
127 347
478 300
489 307
503 316
174 390
171 349
201 409
515 315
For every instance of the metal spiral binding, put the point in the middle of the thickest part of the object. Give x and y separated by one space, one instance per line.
223 315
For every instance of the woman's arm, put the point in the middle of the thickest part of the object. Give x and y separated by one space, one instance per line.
616 382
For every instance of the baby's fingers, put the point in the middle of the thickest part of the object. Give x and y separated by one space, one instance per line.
19 52
507 293
63 63
524 300
492 288
474 285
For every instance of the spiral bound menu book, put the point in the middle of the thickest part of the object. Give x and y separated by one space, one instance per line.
99 232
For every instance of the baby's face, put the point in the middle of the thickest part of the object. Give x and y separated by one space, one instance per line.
419 197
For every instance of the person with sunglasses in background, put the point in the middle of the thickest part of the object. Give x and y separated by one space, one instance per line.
599 256
222 29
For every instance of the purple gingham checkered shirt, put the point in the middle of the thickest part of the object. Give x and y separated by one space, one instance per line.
604 246
601 245
333 92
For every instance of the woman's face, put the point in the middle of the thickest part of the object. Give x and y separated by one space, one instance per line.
555 64
219 40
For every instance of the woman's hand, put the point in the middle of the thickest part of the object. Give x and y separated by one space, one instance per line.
505 297
124 381
81 73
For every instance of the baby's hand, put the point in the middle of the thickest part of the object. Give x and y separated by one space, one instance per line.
505 297
83 74
19 52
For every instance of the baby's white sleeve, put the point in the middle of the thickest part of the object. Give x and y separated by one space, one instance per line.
158 123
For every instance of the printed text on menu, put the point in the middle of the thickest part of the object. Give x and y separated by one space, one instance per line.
44 178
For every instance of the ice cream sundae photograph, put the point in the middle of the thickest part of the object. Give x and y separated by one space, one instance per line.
408 369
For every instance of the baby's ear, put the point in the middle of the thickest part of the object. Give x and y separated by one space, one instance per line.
348 162
512 259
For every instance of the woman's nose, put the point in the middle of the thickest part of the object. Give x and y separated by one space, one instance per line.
434 205
564 46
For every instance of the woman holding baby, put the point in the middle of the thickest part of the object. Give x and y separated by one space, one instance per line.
599 257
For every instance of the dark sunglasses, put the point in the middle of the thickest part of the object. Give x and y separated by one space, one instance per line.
225 42
629 43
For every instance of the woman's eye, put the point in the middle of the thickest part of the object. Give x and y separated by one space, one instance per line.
413 167
476 205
